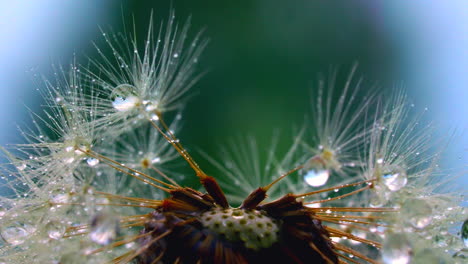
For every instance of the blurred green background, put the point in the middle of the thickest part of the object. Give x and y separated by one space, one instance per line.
262 61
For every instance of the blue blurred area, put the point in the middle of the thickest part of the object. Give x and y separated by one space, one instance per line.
433 39
33 36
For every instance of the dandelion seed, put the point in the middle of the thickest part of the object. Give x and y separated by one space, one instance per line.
339 131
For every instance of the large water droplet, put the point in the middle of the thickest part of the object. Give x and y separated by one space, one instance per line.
464 233
124 97
125 104
396 249
55 229
92 162
314 172
104 228
59 196
316 177
16 233
394 177
418 213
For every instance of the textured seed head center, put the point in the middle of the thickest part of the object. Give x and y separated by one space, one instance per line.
251 227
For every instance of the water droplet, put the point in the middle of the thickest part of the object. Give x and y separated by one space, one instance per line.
316 177
154 117
314 172
69 148
92 162
176 55
418 213
21 166
151 106
394 177
59 196
104 228
125 104
16 233
55 229
464 233
396 249
124 97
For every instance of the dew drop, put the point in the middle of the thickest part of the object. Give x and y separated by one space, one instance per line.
316 177
314 172
464 233
125 104
21 166
59 196
92 162
176 55
396 249
104 228
69 149
151 106
55 229
394 178
16 233
418 213
124 97
154 117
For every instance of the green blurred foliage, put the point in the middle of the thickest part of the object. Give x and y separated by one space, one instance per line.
264 59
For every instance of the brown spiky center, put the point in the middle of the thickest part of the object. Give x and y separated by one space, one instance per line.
253 228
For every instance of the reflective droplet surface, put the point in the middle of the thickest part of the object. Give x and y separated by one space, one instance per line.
396 249
418 213
16 233
316 178
104 228
314 172
125 104
92 162
21 166
59 196
394 177
464 233
124 97
55 229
